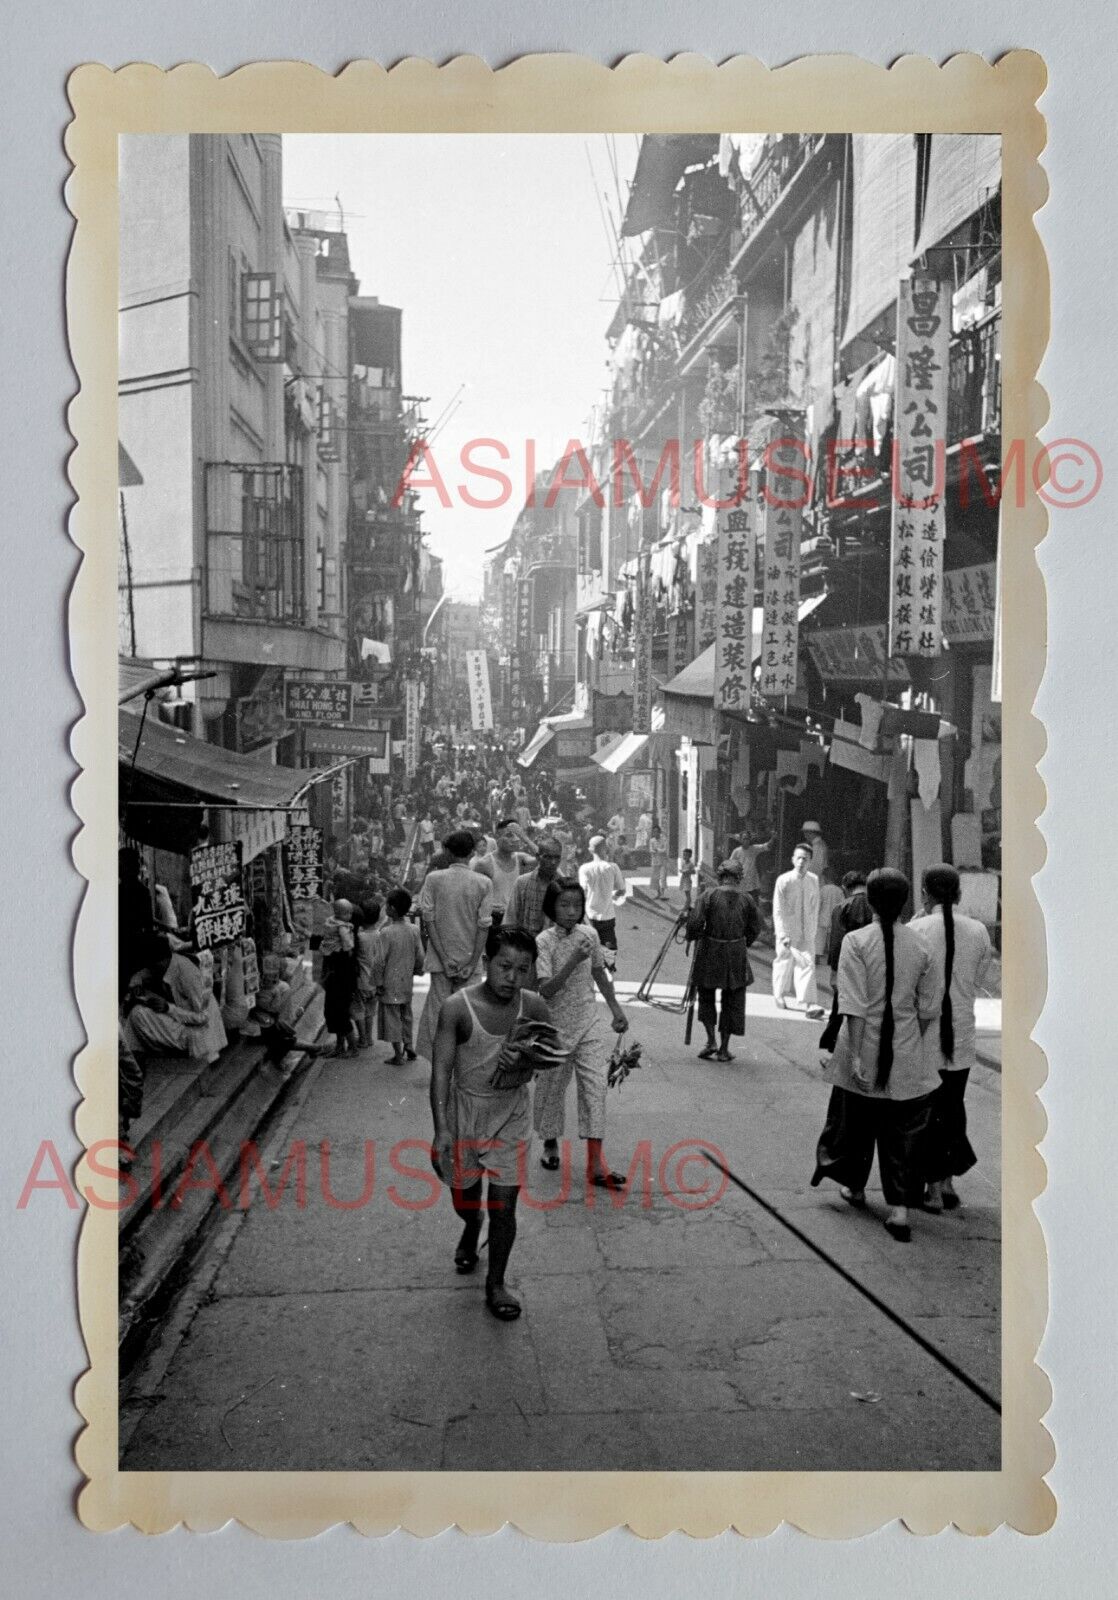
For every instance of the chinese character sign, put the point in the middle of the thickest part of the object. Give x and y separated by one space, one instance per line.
302 861
481 704
919 470
734 547
970 602
216 897
642 653
411 727
307 700
781 515
706 595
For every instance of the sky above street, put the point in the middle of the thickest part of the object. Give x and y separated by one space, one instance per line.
496 249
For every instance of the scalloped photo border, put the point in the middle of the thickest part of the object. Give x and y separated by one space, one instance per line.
556 94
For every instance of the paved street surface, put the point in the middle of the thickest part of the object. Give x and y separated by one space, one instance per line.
653 1337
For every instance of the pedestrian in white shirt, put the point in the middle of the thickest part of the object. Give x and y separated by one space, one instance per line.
961 947
795 923
658 855
820 855
604 886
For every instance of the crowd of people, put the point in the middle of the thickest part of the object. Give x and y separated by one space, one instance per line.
505 893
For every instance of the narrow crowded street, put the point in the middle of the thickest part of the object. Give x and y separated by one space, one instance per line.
660 1329
404 765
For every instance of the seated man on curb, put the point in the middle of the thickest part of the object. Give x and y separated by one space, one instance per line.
168 1009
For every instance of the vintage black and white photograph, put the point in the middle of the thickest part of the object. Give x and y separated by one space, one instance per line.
559 943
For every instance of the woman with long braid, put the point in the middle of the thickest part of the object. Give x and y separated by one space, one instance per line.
889 990
961 946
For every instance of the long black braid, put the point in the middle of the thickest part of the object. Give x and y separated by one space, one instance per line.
887 892
942 885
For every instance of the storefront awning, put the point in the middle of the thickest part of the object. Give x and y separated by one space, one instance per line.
696 681
539 741
175 776
630 747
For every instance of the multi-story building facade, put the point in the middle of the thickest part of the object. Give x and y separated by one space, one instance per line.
762 301
232 332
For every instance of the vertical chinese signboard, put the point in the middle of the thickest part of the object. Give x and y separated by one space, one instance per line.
733 643
679 642
919 468
217 899
481 705
642 651
302 861
706 596
411 727
508 633
782 515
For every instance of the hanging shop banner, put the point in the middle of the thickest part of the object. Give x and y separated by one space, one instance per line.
305 700
642 652
481 703
217 899
411 727
970 603
302 862
854 655
919 468
733 644
706 595
781 514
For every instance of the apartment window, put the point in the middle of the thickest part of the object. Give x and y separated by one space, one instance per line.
234 292
262 316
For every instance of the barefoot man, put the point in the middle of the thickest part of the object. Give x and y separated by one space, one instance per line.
483 1128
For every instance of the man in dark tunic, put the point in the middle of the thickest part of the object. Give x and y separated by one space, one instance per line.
724 921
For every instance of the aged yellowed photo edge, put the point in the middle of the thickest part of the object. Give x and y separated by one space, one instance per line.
561 93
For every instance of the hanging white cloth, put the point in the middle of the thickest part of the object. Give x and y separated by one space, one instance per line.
872 713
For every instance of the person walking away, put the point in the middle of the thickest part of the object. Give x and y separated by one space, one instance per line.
507 861
525 908
658 859
604 886
457 909
854 912
339 975
569 964
961 947
687 876
724 923
795 920
890 989
482 1132
831 898
366 937
396 965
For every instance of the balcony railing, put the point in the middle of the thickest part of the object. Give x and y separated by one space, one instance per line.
974 403
255 559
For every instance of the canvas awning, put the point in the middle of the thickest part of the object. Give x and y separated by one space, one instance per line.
964 172
662 161
884 223
175 777
539 741
696 681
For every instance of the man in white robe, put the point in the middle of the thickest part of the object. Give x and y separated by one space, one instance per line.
795 924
